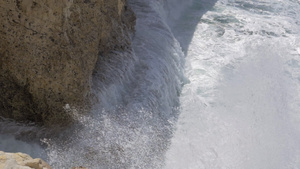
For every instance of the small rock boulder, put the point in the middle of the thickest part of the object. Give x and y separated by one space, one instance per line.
21 161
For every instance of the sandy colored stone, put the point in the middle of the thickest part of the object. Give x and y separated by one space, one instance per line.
37 164
21 161
3 159
48 51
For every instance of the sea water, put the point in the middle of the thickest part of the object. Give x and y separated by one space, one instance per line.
240 109
238 64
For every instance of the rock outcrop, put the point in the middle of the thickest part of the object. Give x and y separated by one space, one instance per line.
21 161
48 50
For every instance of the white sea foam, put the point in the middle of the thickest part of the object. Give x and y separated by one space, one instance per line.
240 109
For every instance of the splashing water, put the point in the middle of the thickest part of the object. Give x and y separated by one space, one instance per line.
241 107
237 110
137 98
132 125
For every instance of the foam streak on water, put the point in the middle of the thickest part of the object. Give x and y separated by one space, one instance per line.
241 107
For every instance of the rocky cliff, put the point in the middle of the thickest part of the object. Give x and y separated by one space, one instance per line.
48 50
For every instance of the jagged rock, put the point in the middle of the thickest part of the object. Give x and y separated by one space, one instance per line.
21 161
48 50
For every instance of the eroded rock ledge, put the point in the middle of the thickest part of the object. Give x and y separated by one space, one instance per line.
48 50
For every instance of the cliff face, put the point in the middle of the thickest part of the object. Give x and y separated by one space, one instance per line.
48 50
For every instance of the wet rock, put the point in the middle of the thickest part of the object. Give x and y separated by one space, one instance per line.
48 51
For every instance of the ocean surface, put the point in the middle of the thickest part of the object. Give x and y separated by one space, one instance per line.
210 84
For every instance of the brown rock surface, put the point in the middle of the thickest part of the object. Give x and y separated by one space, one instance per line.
48 50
